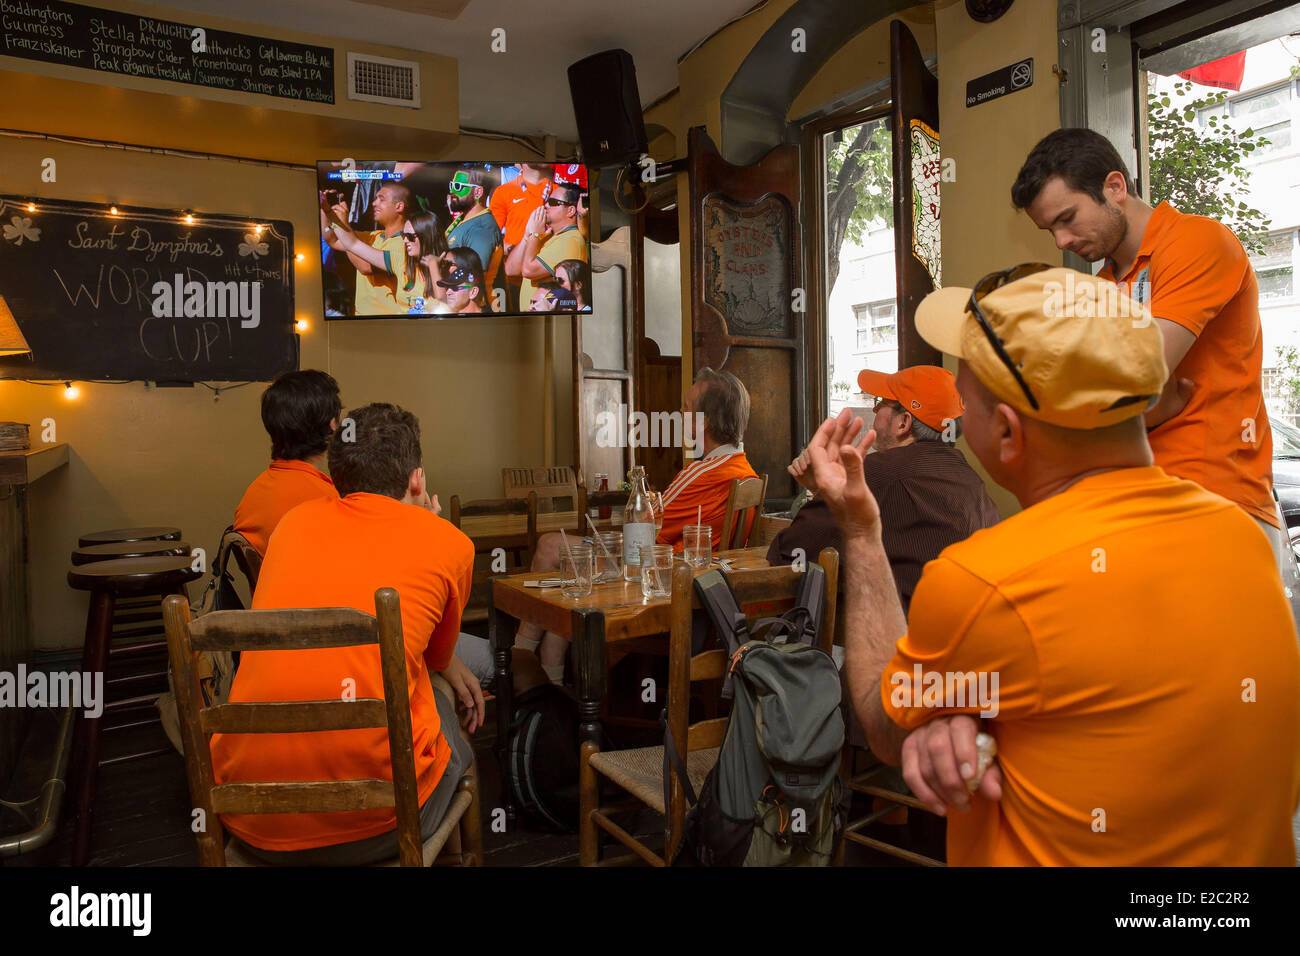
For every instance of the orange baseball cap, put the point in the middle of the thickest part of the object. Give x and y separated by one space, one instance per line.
927 392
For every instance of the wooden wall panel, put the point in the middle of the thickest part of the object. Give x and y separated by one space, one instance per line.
745 259
770 375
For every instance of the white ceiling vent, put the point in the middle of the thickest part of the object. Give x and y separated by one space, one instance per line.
377 79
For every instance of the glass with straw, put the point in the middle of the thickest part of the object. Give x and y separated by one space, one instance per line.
575 568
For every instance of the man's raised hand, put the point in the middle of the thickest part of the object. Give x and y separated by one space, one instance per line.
836 468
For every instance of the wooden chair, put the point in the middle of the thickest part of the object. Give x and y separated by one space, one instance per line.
640 771
767 527
557 481
889 805
738 527
306 630
519 550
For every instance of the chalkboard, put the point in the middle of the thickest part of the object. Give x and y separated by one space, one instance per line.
83 281
113 42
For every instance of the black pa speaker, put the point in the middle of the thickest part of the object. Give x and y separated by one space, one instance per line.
607 107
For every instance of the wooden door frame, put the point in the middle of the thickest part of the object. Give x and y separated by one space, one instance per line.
633 329
814 266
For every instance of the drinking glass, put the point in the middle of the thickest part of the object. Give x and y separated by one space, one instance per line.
575 571
697 545
657 509
608 556
656 571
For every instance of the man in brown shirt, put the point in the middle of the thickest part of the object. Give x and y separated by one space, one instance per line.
929 496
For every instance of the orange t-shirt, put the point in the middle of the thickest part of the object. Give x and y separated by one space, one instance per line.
1192 271
514 202
337 553
1121 689
703 484
282 487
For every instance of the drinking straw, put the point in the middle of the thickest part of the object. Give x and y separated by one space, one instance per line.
564 539
699 515
601 542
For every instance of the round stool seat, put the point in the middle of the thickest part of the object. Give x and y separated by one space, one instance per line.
128 549
151 575
129 534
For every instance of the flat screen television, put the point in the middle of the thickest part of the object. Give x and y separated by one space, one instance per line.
452 240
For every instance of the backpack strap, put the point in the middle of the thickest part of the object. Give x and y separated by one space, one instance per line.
725 614
803 622
810 606
673 756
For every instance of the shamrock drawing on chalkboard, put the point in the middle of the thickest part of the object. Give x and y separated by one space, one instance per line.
21 229
252 246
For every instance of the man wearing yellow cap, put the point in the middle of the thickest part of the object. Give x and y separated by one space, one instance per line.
1137 710
929 496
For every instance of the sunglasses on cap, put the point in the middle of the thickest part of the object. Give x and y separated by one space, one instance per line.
991 282
460 280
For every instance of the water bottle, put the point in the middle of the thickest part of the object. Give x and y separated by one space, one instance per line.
638 525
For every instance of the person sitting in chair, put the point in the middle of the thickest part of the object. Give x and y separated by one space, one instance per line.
300 410
336 552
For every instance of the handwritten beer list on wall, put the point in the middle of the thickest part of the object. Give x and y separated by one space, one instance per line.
143 295
114 42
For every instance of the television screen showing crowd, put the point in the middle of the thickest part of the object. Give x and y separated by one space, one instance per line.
453 239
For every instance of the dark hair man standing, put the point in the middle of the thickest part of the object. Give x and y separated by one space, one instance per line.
1210 424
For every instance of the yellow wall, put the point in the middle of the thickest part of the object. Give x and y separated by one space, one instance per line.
173 456
981 231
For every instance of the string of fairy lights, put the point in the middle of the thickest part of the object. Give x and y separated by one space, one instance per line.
70 390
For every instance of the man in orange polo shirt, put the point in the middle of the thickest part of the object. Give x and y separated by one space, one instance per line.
1131 725
300 410
1193 275
337 553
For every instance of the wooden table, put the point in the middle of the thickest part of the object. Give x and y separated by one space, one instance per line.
614 612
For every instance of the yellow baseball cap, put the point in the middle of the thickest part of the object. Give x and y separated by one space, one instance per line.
1076 351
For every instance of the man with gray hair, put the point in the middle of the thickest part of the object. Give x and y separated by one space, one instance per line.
699 492
699 489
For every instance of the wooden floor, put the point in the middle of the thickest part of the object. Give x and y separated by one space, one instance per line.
143 811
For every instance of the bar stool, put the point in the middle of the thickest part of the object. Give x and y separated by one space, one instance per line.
129 534
144 608
129 549
107 581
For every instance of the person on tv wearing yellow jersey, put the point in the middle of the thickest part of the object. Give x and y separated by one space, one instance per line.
381 260
552 236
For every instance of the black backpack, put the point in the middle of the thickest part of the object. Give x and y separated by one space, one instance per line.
774 798
543 758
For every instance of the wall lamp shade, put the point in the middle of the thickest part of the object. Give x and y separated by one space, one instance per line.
11 337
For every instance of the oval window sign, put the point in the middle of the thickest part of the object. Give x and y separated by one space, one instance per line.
986 11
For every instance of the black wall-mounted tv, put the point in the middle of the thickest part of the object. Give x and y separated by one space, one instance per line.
452 240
